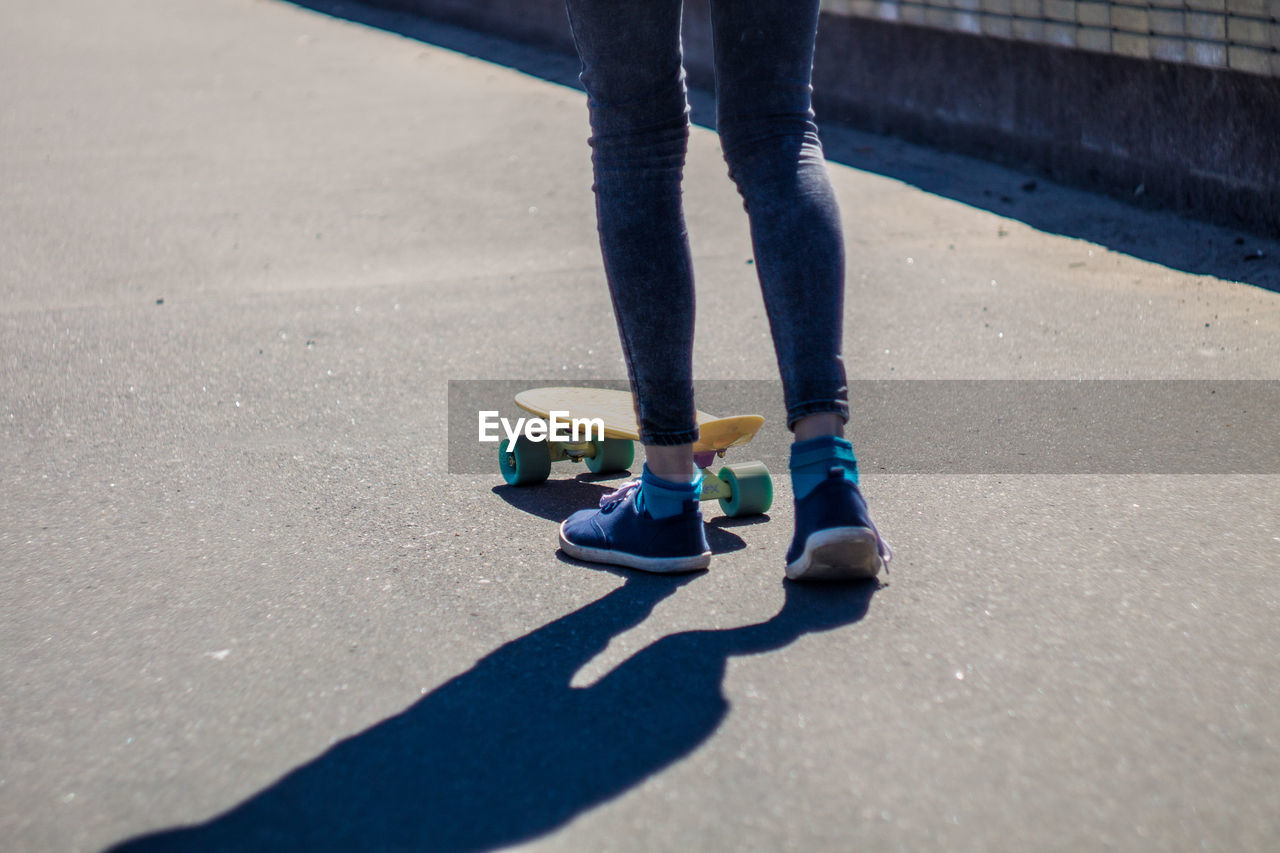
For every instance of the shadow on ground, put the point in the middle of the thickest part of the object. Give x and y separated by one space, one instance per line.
508 750
1152 235
556 500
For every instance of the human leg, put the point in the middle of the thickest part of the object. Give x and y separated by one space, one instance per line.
633 73
764 59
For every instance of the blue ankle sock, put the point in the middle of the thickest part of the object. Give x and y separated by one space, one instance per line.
812 459
665 498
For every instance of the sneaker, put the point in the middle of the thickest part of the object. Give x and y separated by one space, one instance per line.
835 537
621 533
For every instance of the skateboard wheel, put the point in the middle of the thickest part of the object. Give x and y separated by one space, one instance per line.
750 489
612 455
526 464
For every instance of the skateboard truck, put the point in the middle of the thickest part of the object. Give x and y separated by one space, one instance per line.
573 451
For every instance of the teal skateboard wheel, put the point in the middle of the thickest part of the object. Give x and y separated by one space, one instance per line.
750 489
612 456
526 464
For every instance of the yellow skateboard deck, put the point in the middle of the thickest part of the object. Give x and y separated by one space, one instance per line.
741 489
617 410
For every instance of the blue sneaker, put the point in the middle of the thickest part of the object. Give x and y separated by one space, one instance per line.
620 532
835 537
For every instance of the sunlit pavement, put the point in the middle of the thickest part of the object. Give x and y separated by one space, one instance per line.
246 246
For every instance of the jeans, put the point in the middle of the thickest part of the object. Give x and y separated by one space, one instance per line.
632 70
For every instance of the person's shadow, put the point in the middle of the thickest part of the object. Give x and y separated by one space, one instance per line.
508 750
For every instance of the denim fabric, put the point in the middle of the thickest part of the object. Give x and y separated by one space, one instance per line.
632 69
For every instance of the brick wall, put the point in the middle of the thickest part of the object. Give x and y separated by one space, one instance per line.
1242 35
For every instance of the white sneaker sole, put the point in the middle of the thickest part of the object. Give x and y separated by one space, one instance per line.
657 565
838 553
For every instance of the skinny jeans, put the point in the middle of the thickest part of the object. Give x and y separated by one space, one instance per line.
633 73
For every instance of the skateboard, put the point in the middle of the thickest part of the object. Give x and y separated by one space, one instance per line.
743 488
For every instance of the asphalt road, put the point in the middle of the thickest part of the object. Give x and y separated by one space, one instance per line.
244 604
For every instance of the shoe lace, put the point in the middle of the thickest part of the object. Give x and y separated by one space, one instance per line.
614 498
886 551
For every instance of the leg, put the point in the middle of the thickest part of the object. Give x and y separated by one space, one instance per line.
817 425
764 60
633 73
